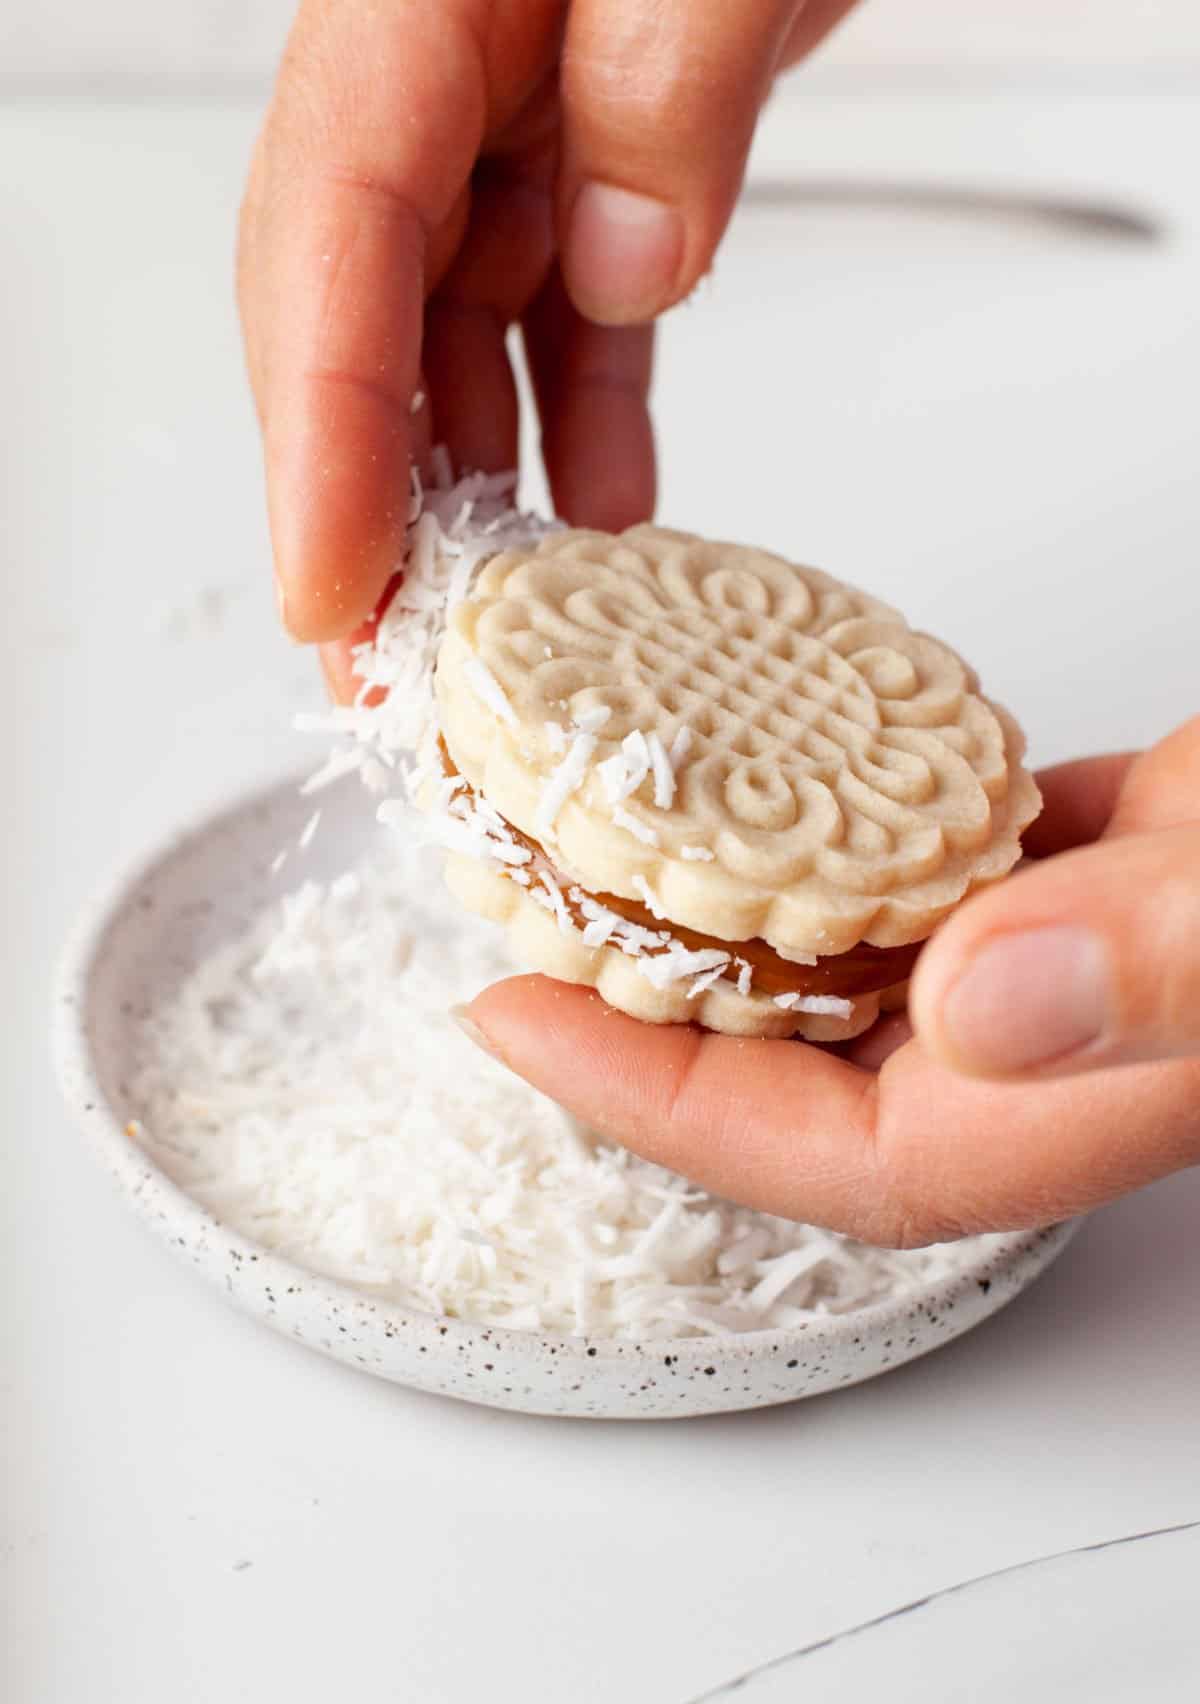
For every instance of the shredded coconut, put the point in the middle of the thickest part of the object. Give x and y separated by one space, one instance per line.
703 983
339 763
664 775
453 530
816 1005
677 963
680 746
374 774
306 1085
624 772
554 893
562 782
488 690
612 773
650 899
592 720
640 830
630 937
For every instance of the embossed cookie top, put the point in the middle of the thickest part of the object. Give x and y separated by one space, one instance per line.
746 744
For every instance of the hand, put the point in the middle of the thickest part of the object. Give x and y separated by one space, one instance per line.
1055 1063
431 174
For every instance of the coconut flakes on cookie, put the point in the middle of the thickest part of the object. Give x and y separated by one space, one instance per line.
560 833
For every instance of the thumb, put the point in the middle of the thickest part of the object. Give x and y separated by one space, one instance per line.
1088 960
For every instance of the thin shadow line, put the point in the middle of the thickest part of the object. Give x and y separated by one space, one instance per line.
1079 215
729 1687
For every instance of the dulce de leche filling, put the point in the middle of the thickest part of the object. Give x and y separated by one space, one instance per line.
861 970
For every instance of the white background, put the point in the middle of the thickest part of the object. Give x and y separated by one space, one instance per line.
207 43
990 420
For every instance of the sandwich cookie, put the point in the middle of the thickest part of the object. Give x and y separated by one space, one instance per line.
714 785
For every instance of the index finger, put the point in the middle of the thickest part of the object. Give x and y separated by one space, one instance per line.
1078 803
361 174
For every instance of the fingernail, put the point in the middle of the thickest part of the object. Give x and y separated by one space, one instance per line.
623 253
466 1023
1026 1000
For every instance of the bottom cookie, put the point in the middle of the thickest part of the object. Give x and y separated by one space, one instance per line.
539 940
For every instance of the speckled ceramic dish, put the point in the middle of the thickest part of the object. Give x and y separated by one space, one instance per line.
158 920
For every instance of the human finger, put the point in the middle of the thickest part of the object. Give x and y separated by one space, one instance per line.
913 1154
505 256
810 28
1085 961
875 1047
659 105
1162 787
1079 799
592 386
1091 958
358 194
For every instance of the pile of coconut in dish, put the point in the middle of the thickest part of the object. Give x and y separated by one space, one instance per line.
306 1084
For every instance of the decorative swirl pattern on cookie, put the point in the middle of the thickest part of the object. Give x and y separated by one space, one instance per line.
843 771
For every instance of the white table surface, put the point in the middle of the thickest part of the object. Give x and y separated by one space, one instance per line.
990 421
